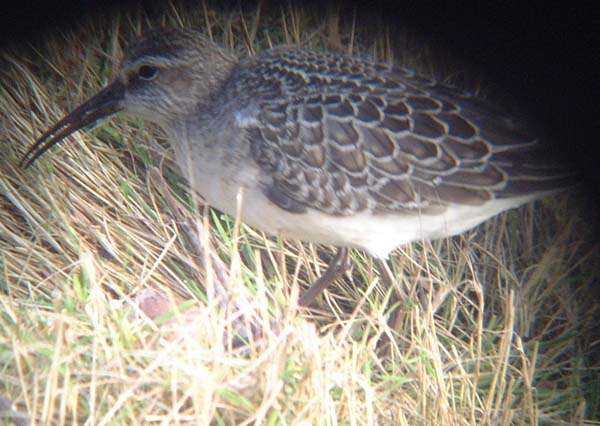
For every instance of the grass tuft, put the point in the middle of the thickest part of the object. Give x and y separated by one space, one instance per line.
113 307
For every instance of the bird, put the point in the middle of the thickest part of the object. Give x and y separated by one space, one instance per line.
324 147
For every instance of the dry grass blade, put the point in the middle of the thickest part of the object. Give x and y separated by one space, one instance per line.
117 289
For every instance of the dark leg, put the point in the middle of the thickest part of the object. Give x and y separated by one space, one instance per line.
384 272
387 278
336 268
398 299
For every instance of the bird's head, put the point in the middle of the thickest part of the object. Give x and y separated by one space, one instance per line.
164 75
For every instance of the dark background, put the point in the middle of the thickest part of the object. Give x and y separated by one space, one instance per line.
542 55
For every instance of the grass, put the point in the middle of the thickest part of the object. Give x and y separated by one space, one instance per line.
100 236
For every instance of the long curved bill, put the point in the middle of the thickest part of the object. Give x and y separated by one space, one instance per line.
108 101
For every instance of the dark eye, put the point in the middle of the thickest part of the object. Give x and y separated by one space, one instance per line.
147 72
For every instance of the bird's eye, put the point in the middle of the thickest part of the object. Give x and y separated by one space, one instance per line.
147 72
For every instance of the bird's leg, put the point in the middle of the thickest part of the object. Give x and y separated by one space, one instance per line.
337 267
388 280
384 272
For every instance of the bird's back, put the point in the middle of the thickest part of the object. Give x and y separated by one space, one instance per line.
344 136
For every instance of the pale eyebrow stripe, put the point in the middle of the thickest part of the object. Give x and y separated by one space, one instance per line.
148 59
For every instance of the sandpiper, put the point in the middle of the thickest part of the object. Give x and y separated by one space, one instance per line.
323 147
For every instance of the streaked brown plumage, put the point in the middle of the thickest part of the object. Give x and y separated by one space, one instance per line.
324 147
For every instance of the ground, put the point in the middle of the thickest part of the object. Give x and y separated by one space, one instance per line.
109 316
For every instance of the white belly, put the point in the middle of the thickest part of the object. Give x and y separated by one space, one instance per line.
234 185
376 234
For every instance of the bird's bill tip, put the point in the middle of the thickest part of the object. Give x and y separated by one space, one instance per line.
105 103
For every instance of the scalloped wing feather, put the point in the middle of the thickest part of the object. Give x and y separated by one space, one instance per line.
344 136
